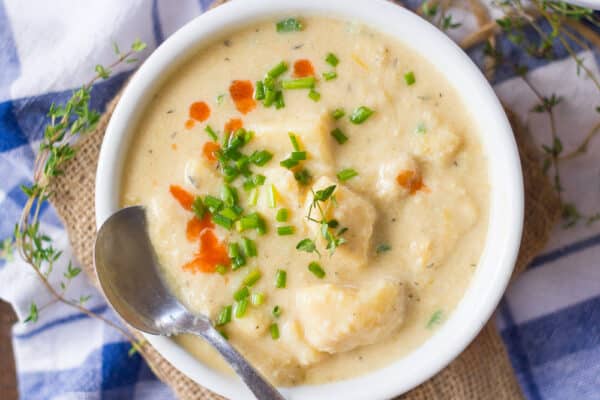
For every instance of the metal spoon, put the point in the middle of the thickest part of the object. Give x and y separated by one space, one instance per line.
129 275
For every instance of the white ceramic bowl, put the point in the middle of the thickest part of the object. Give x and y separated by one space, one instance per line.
506 206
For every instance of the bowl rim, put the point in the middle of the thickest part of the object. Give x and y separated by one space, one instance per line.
506 193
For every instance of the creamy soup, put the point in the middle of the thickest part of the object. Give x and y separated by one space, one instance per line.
318 189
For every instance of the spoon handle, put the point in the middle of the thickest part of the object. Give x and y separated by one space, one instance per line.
261 388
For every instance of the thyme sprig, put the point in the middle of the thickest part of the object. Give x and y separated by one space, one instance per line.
562 19
67 122
327 227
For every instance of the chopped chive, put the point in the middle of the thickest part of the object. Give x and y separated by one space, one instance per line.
298 155
241 293
276 311
316 269
303 176
360 115
198 207
289 25
282 215
339 136
240 308
294 141
346 174
222 221
270 96
278 70
221 269
300 83
262 227
257 299
269 83
279 101
314 95
229 213
258 179
272 196
220 99
260 158
329 75
250 221
229 195
338 113
249 247
238 262
421 129
280 279
253 197
252 277
274 329
285 230
288 163
332 59
213 135
259 91
409 78
382 248
214 204
224 316
233 250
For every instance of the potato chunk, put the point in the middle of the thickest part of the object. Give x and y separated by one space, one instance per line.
338 318
312 133
352 212
438 144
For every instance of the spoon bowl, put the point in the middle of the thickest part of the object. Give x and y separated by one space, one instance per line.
129 274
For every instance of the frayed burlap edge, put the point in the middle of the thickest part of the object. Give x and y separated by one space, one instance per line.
482 371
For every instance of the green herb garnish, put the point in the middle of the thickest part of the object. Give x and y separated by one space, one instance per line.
257 299
299 83
289 25
274 330
338 113
224 316
249 247
240 308
276 311
409 78
360 115
328 76
303 176
278 70
314 95
346 174
213 135
241 293
307 245
436 319
332 59
316 269
198 207
282 215
382 248
285 230
280 279
252 277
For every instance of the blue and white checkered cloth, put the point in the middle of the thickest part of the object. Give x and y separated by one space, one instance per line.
549 319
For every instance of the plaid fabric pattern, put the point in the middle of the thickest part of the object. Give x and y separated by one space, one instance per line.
549 319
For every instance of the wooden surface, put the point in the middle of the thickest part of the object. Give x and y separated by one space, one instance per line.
8 380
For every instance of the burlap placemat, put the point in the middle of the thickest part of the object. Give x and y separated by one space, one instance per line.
482 371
